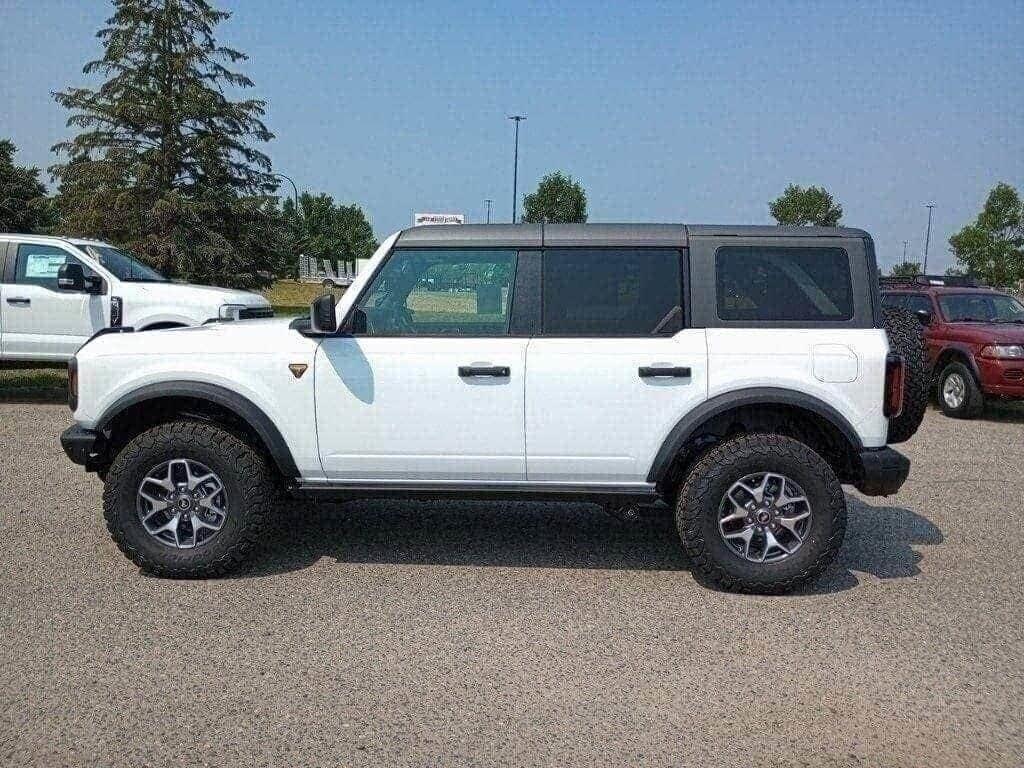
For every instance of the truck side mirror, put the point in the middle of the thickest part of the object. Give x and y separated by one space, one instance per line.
924 316
71 277
322 318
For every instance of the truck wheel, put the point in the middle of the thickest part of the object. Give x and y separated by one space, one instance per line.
761 513
906 336
959 393
187 499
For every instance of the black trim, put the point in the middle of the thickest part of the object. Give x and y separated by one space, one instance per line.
104 332
526 296
696 418
198 390
882 471
606 494
80 444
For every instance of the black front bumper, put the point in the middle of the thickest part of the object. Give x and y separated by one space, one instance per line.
882 471
81 445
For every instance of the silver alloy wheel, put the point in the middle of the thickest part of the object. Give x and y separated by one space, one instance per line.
182 503
954 390
764 517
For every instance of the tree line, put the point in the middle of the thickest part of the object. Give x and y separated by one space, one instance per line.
167 162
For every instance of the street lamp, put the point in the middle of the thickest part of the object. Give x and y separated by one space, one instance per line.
294 188
927 237
515 163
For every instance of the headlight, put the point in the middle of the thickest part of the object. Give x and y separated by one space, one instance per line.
230 311
1005 351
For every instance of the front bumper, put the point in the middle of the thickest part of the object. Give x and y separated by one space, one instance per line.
882 471
1001 377
82 445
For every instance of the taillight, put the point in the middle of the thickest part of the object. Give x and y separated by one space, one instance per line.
895 377
73 384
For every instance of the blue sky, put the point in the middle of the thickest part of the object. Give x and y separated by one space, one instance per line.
695 112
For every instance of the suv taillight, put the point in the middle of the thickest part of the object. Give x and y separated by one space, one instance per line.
895 375
73 384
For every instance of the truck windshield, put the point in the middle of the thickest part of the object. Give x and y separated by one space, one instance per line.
124 266
981 308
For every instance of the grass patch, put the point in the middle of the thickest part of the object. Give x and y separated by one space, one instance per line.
39 384
292 293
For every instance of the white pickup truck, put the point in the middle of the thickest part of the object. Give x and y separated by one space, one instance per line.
741 374
56 293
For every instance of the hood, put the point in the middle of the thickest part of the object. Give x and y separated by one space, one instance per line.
187 293
267 336
991 333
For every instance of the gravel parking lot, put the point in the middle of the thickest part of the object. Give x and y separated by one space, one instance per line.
450 634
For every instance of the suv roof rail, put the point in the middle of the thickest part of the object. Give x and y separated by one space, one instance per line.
961 281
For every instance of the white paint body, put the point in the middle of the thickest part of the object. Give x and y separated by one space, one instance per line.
54 323
572 411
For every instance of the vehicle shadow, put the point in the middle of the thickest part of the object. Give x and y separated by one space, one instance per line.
880 540
1003 411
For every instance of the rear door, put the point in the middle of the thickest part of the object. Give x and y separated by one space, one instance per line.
41 322
613 368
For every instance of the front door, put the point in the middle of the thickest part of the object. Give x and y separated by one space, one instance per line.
41 322
433 390
614 367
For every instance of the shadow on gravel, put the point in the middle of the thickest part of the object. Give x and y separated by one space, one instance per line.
879 540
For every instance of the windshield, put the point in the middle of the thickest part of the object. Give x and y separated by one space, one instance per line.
981 308
124 265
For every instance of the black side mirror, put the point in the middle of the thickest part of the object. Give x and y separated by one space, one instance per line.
71 277
322 318
924 316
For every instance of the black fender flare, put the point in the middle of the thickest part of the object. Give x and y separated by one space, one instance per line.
241 406
956 350
695 419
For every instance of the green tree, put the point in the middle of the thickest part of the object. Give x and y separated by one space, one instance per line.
810 206
906 269
559 198
325 230
24 206
992 248
164 163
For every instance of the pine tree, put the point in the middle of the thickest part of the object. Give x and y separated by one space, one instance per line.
164 163
24 206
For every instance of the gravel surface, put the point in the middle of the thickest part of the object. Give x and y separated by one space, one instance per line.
451 634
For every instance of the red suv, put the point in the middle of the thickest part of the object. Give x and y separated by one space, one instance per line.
975 338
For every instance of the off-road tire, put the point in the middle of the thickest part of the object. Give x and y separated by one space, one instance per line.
906 337
974 398
701 494
249 482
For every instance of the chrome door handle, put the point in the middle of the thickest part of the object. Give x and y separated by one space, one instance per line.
656 372
19 301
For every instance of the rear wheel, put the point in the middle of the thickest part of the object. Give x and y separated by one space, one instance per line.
761 513
959 394
187 499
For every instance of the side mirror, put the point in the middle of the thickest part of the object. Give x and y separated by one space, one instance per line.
71 277
322 318
924 316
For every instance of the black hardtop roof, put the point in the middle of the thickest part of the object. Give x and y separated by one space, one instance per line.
596 235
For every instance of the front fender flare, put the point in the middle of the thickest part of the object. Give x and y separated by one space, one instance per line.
241 406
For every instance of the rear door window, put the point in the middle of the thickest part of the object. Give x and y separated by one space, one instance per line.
776 283
612 292
894 300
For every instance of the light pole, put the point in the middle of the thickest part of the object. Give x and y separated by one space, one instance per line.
927 237
905 243
515 164
294 189
489 203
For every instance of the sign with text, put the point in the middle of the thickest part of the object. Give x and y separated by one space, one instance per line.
421 219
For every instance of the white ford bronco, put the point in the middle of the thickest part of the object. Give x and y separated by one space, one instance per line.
56 292
741 374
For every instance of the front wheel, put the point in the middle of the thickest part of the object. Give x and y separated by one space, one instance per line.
187 499
959 394
761 513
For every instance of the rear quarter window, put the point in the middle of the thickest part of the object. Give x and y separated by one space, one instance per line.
776 283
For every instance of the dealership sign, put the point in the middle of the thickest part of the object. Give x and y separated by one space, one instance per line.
420 219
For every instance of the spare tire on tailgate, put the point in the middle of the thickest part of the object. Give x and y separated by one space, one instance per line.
906 337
